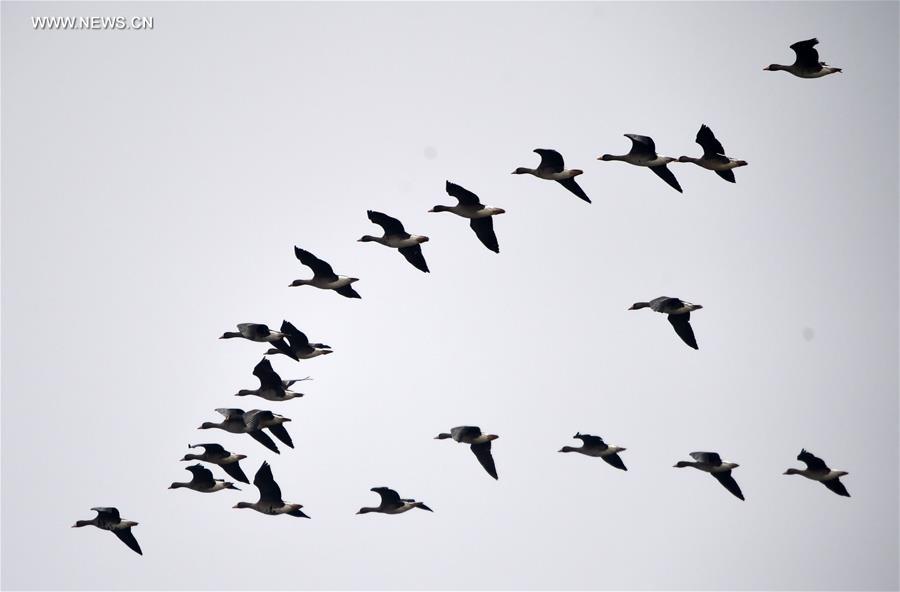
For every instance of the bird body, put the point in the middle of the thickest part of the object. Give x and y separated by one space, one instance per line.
202 481
396 237
643 153
324 277
270 501
817 470
806 64
480 445
552 168
108 518
713 158
712 463
271 387
596 447
298 344
217 455
392 504
236 422
679 315
479 216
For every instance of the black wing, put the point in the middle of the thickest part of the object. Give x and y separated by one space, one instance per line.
319 267
414 255
391 226
295 336
572 185
710 458
807 56
729 483
484 230
707 140
813 463
284 348
836 486
348 292
642 145
389 498
268 378
231 413
127 537
592 441
201 476
551 160
727 175
108 514
615 461
682 325
666 175
235 471
483 454
211 450
280 432
264 439
464 196
462 433
265 482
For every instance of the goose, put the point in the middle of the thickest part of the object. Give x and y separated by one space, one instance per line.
479 216
217 455
714 157
595 446
257 419
234 423
396 237
643 153
712 463
817 470
271 387
108 519
392 504
679 313
262 334
202 481
480 444
270 501
807 64
300 345
324 277
552 168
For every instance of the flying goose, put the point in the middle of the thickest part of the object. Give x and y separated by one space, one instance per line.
202 481
679 313
108 519
271 387
479 216
711 463
392 504
396 237
643 153
270 501
234 424
481 445
807 64
323 276
260 333
217 455
552 168
257 419
299 344
714 157
595 446
817 470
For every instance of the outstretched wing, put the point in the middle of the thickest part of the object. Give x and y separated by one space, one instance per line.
107 514
615 461
414 255
484 230
483 454
707 140
389 497
201 475
836 486
295 336
682 325
663 172
268 378
235 471
464 196
807 56
551 161
348 292
280 432
231 413
127 537
813 462
264 439
265 482
642 145
710 458
572 185
729 483
591 441
728 175
211 450
319 267
391 226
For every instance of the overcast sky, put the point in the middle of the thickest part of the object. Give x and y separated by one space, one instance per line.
155 182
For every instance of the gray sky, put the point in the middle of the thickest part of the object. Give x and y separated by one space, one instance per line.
154 183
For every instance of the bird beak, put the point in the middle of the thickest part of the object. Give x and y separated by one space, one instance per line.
698 306
431 210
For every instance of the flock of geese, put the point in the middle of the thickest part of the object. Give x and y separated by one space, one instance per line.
262 425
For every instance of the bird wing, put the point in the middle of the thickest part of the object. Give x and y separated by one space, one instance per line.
348 292
572 185
807 56
836 486
108 514
729 483
813 462
484 230
235 471
201 475
707 140
464 196
230 413
663 172
463 433
551 161
728 175
295 336
414 255
710 458
280 432
391 226
320 268
389 497
253 330
265 483
681 324
483 454
264 439
592 441
211 450
615 461
125 535
642 145
268 378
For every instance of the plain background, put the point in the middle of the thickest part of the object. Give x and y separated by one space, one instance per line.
155 182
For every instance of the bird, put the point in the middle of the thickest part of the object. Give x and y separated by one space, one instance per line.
807 64
714 157
479 216
323 276
392 504
271 387
595 446
817 470
679 313
299 344
396 237
257 419
217 455
643 153
234 423
260 333
270 501
480 444
108 519
202 481
552 168
712 463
